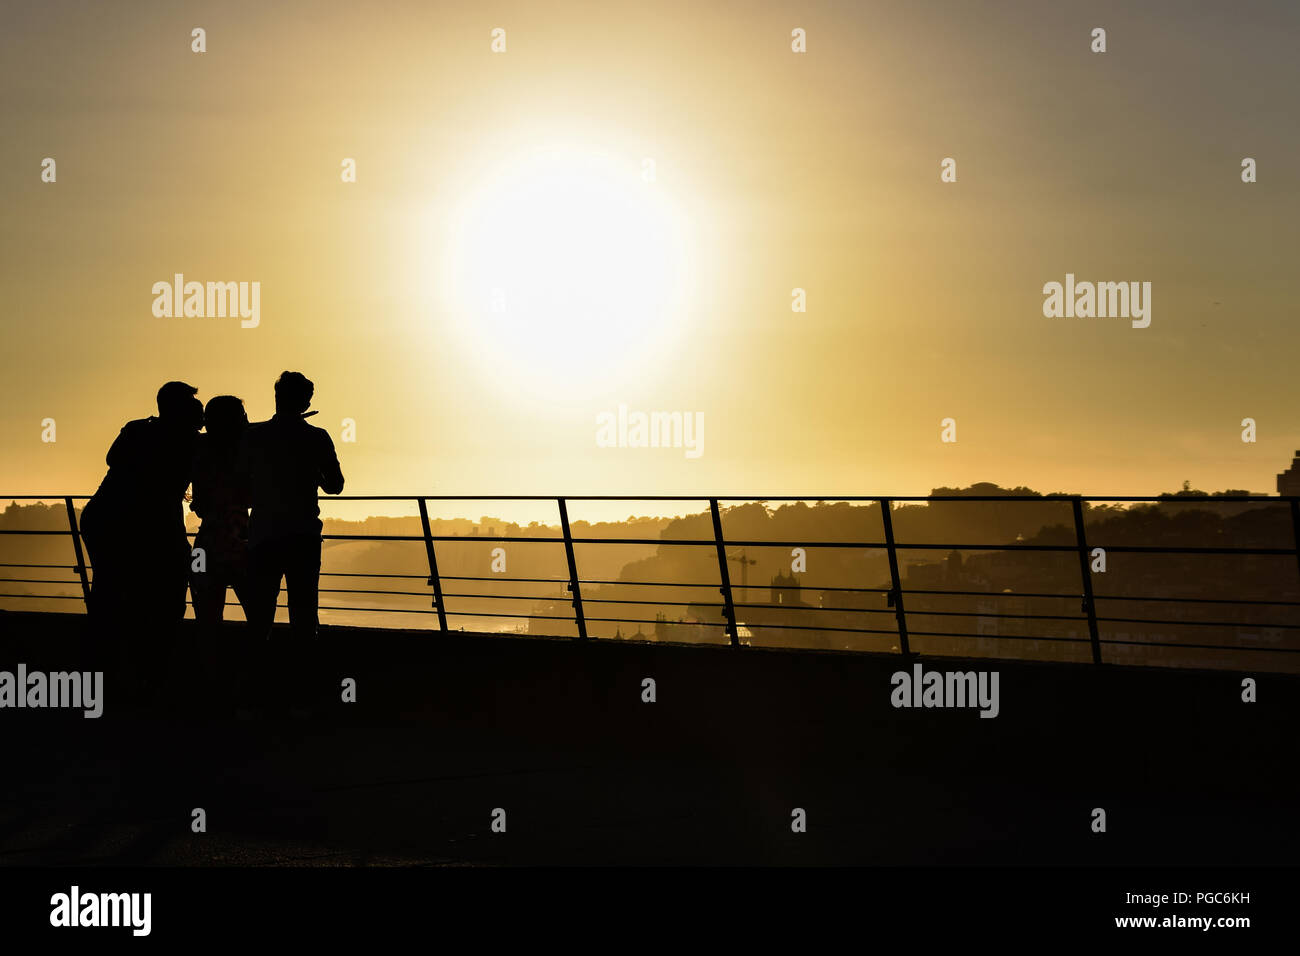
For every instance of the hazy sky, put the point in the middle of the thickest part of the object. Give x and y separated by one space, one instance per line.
772 170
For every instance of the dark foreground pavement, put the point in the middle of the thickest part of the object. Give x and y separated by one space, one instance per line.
446 730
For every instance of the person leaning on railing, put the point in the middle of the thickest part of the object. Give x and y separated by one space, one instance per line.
134 529
221 499
286 460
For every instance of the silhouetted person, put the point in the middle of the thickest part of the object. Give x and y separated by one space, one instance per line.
134 529
221 498
286 460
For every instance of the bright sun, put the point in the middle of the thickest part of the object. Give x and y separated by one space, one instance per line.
570 266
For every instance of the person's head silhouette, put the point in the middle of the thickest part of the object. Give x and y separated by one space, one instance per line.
225 417
293 392
178 407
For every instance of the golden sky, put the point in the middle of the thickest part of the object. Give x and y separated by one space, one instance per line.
773 171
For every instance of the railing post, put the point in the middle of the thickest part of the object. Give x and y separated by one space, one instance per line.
728 606
434 579
76 546
896 595
1089 604
574 588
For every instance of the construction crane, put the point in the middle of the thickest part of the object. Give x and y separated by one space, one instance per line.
744 561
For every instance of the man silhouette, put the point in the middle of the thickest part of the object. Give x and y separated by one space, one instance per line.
285 460
134 529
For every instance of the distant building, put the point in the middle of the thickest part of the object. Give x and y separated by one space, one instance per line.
1288 483
949 574
667 630
785 591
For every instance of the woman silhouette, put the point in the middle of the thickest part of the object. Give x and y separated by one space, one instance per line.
221 500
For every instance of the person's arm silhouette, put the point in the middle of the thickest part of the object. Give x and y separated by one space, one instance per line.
244 459
125 450
331 475
117 452
198 496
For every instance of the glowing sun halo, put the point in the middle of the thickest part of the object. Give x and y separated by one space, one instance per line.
570 266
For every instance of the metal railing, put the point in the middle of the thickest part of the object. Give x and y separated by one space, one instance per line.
895 595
